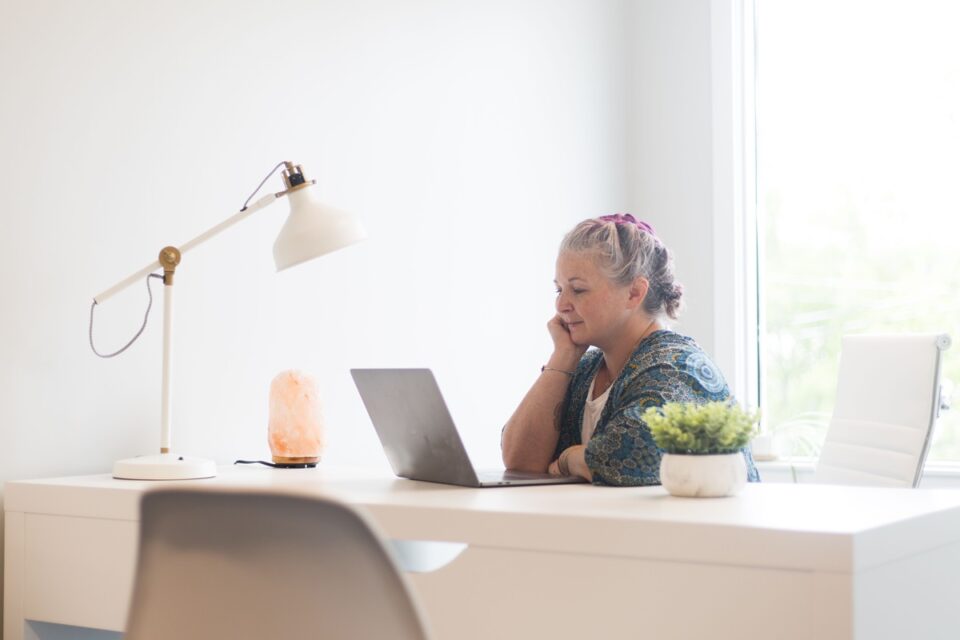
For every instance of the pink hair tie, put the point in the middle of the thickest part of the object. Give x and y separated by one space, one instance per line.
626 218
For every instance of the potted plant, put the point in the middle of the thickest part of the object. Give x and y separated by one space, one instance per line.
702 445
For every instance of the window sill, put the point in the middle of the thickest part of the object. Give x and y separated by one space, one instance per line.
936 474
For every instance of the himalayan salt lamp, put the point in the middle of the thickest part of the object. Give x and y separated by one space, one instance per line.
295 431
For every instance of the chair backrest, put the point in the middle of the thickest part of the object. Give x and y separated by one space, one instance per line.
888 399
248 564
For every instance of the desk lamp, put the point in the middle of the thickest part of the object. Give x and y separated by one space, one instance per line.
311 230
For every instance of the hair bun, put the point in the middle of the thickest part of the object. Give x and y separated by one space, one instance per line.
672 294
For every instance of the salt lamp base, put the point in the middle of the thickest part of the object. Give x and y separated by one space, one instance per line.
283 462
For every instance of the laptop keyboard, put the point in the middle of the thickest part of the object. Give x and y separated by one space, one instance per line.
496 476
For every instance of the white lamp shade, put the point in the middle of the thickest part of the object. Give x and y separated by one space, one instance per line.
312 230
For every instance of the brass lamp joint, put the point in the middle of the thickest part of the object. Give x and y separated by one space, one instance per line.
294 179
169 259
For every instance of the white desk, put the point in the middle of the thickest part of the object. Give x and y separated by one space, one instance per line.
576 561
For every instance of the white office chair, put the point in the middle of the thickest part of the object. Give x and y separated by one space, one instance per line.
888 400
244 564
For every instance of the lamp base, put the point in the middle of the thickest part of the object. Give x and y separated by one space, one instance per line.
164 466
299 462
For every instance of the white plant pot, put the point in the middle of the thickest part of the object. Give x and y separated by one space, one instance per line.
703 476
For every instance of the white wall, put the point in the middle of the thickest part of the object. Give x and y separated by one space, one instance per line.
467 136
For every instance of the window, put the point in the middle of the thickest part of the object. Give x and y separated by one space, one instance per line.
858 184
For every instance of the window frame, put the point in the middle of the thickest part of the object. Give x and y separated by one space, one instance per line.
737 319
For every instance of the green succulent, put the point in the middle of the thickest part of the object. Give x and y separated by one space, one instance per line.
712 427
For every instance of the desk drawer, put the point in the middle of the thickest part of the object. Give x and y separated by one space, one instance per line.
79 571
501 593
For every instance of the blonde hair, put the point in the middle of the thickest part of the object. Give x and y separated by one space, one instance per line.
625 249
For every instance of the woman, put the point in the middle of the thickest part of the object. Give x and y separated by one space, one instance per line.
615 289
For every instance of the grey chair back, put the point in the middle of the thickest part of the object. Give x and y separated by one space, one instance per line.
249 564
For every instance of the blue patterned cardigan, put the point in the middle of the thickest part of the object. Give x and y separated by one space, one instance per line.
666 367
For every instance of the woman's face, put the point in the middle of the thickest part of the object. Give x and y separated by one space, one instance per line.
594 309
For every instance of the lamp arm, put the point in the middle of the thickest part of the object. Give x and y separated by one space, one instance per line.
200 239
229 222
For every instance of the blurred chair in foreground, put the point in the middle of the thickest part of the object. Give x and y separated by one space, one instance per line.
888 399
249 564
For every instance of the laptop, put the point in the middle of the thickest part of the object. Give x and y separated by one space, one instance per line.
418 434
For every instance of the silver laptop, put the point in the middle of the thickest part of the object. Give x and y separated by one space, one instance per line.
418 434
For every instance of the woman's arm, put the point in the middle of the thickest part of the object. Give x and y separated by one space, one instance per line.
530 436
624 454
622 451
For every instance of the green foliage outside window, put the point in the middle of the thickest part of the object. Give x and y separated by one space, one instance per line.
853 282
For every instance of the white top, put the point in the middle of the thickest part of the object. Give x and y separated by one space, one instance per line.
592 411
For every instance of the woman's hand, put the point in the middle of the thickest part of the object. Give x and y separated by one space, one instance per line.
572 462
564 347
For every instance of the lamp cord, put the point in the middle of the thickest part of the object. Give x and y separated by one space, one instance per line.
154 275
280 465
259 186
134 338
